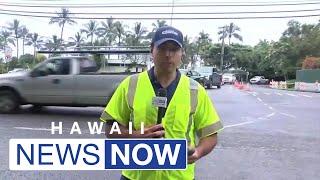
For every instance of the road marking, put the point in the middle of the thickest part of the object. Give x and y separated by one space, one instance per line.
266 93
270 115
265 104
250 122
33 129
279 94
306 96
254 95
270 108
291 95
239 124
289 115
259 99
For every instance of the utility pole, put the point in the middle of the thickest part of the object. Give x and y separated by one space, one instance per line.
172 12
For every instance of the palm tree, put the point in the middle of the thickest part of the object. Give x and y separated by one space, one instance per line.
107 31
230 31
54 44
35 41
16 29
62 19
77 40
190 50
24 33
119 31
91 29
223 34
6 37
139 31
158 24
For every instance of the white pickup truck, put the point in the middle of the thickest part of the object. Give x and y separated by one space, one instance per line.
59 81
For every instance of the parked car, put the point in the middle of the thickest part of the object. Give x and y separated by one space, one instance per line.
213 78
59 81
259 80
193 75
229 78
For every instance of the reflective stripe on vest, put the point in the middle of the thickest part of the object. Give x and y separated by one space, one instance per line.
131 92
194 103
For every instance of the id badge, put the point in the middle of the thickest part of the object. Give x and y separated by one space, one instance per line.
159 101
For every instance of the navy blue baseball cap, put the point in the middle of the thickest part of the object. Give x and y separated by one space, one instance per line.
167 33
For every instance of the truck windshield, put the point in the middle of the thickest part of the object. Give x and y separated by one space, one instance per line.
204 69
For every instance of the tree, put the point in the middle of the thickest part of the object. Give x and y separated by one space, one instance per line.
16 29
189 51
62 18
227 31
232 32
6 37
13 64
223 34
107 31
27 61
155 26
24 33
91 30
77 40
119 31
158 24
202 43
35 41
53 44
138 34
293 30
134 39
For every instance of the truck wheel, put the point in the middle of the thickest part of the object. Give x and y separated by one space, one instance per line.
209 86
219 87
36 108
9 102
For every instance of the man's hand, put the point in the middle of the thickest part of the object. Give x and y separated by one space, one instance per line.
204 147
155 131
194 157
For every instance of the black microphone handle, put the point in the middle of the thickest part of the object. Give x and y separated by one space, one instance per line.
161 112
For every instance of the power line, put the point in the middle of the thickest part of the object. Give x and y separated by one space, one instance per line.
176 18
153 6
165 13
160 3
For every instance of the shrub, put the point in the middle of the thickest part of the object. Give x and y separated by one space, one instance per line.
311 63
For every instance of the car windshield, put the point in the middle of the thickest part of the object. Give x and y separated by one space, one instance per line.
204 69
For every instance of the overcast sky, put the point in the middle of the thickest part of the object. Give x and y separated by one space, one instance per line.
252 30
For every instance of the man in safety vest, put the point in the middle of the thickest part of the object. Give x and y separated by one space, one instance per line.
188 110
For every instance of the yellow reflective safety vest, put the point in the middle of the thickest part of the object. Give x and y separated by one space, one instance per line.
190 113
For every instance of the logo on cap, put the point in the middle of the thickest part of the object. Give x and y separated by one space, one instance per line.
169 32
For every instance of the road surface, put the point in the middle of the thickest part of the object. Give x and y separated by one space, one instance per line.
268 134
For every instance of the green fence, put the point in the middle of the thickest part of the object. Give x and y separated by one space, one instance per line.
308 75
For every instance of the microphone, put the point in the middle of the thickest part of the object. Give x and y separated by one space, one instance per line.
161 110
